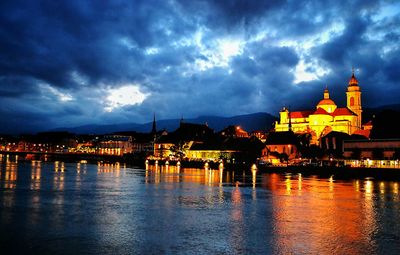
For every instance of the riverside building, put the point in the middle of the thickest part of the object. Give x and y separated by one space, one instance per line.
327 116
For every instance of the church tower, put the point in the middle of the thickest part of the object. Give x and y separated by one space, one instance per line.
353 94
154 128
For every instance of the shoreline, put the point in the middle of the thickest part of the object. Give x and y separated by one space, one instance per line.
338 172
344 173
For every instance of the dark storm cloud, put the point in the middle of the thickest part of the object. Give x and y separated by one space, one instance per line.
337 51
228 14
59 60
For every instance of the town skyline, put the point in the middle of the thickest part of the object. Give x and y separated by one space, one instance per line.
77 63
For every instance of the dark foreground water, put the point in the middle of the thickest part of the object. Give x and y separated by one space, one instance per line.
69 208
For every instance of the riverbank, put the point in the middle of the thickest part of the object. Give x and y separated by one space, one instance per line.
137 160
342 172
338 172
131 159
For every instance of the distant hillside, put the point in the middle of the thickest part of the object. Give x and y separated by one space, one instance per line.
383 127
249 122
369 113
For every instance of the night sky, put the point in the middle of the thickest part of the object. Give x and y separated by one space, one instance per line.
71 63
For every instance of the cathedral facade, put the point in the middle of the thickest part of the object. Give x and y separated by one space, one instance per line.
326 117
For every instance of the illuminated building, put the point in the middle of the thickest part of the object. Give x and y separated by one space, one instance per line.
234 131
382 153
280 146
175 144
327 116
239 149
115 145
260 134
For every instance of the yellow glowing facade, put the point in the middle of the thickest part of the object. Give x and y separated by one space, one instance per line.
327 117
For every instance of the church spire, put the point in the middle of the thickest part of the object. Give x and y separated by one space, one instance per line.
154 129
353 80
353 95
326 92
290 119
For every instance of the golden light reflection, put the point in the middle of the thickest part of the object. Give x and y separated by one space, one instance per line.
59 166
58 180
332 208
382 187
11 174
288 185
78 177
36 168
114 168
237 218
396 188
171 173
331 183
299 182
369 212
357 185
254 178
369 188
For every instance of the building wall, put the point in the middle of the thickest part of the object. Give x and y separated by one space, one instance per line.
289 149
143 147
115 147
317 123
371 149
209 154
163 150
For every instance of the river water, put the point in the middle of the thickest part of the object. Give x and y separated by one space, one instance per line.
70 208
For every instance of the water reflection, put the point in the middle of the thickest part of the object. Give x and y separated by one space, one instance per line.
396 188
59 166
108 208
10 174
172 174
36 174
335 210
58 180
237 238
114 168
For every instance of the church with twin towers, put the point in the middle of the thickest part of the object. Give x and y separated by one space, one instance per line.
326 116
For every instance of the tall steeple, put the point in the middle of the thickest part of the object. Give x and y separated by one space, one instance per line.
290 119
353 95
154 129
353 81
326 92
